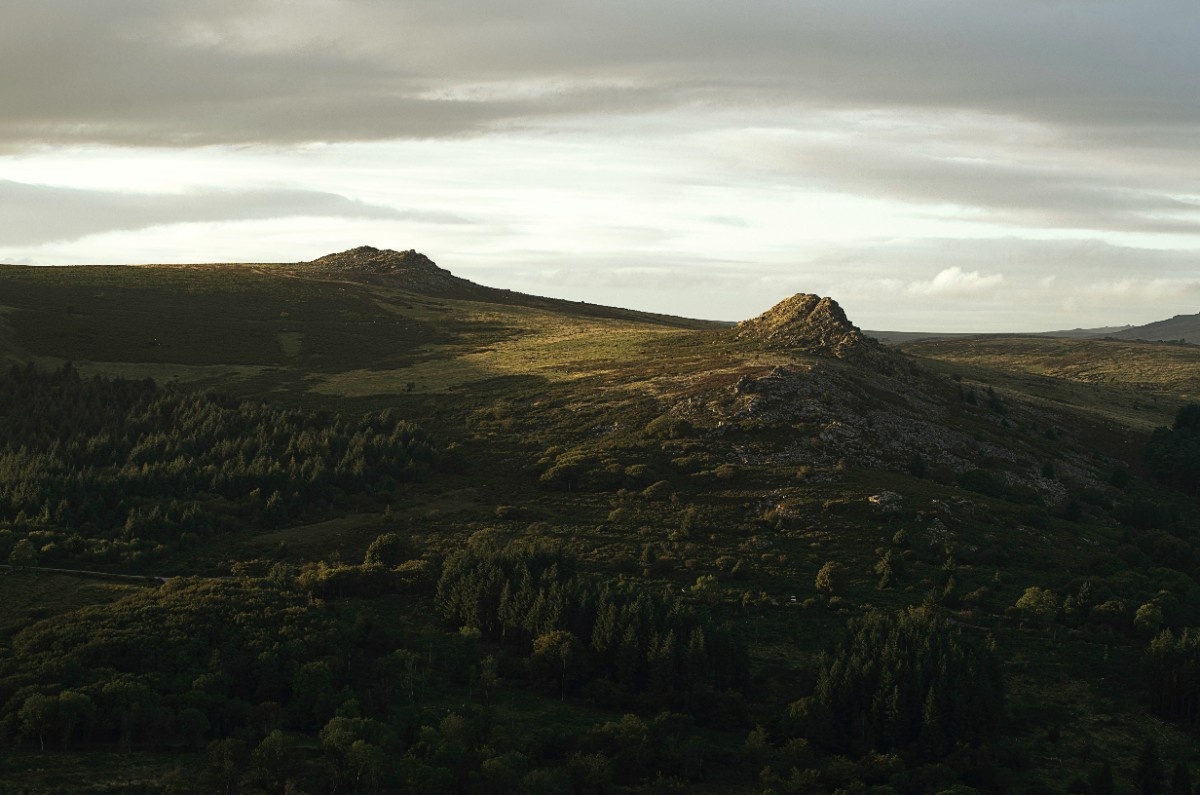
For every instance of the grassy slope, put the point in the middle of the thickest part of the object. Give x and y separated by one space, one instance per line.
1136 384
510 379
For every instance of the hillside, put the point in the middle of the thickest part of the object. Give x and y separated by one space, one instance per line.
1181 328
424 535
1135 384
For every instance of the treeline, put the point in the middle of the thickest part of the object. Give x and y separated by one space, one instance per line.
105 467
530 596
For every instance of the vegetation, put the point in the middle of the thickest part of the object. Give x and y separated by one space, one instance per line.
333 529
103 470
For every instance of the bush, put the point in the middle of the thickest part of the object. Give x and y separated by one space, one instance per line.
829 579
666 427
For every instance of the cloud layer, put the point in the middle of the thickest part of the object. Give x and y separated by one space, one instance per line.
39 214
162 72
933 164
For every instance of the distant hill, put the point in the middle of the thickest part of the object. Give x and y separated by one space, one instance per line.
1180 327
901 337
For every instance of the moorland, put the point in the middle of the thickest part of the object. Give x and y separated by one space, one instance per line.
359 525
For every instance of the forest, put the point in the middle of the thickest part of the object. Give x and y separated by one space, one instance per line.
107 469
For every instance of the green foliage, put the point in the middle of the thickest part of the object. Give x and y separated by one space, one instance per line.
641 641
326 676
668 427
207 646
23 555
388 549
120 467
1174 454
1038 603
579 470
903 681
1171 672
830 578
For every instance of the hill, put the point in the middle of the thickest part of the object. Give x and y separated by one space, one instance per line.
419 534
902 337
1181 328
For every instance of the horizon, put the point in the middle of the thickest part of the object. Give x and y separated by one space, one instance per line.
935 166
865 329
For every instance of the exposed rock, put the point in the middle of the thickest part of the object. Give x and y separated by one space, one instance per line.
409 269
886 500
807 323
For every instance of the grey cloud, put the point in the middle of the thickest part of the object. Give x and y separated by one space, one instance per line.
1020 194
164 71
39 214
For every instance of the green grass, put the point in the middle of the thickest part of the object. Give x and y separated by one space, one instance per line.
1136 384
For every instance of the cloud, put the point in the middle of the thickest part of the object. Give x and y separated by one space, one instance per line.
977 182
956 282
38 214
1137 289
216 71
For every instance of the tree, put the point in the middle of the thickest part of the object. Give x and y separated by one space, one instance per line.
273 759
23 555
37 716
388 549
193 726
903 680
887 567
1148 619
1038 603
489 677
367 764
227 759
74 710
555 650
829 578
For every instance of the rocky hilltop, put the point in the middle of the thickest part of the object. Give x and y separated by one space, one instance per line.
409 269
808 323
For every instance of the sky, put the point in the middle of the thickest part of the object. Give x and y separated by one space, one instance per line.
935 165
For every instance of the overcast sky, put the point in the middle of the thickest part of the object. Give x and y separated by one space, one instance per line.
931 164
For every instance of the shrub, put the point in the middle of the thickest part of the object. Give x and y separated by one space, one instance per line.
829 578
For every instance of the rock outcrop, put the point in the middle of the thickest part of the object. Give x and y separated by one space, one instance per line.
407 269
807 323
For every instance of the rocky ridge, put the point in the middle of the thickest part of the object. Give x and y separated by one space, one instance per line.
409 269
